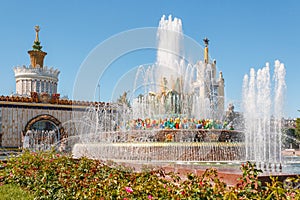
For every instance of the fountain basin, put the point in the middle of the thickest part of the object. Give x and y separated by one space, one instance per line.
161 151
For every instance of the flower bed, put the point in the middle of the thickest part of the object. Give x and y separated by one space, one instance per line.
54 176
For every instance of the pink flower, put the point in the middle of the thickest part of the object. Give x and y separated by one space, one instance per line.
292 194
150 197
129 189
11 174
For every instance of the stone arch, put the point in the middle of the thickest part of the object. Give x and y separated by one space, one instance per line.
44 117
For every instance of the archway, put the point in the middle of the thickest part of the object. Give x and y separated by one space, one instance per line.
42 132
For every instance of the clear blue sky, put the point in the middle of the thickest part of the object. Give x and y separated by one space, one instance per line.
243 34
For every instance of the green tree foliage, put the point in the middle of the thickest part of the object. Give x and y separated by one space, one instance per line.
297 128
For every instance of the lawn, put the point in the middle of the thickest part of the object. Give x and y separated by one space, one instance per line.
13 192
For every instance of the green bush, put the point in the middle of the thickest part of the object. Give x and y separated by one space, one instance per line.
49 175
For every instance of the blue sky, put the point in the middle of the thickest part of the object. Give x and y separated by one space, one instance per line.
243 34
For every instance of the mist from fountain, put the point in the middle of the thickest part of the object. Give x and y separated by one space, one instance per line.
173 86
263 103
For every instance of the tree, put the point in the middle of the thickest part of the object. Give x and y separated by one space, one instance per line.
297 129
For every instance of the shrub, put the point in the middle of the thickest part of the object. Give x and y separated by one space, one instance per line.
49 175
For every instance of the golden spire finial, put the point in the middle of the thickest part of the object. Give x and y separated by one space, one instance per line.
37 29
206 40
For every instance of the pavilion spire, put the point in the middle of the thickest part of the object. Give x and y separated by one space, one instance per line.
37 44
206 40
36 54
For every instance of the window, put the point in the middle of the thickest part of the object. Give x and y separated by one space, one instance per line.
47 87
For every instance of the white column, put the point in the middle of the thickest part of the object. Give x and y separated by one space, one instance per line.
28 86
31 84
23 87
18 85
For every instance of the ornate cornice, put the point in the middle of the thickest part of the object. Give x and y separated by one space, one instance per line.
43 98
39 73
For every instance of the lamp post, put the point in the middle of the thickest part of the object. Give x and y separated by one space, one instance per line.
99 92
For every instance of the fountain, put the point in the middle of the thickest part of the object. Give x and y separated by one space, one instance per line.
40 140
116 136
165 122
177 115
262 126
